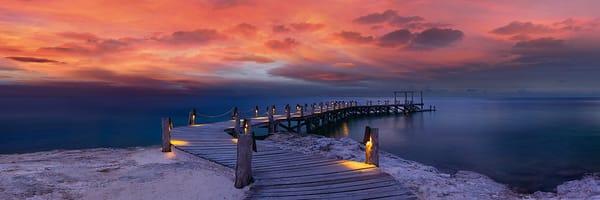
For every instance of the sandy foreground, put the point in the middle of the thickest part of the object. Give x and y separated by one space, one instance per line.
134 173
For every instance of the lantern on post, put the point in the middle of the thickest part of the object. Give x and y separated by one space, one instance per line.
243 167
372 146
192 117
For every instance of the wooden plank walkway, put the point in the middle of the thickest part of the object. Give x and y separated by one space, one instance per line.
285 174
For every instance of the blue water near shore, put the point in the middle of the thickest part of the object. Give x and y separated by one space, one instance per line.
530 144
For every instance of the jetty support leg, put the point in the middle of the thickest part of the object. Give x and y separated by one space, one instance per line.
372 148
166 134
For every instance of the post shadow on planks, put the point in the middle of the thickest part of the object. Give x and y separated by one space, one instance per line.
245 145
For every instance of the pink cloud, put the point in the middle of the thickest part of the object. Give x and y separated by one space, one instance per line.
286 44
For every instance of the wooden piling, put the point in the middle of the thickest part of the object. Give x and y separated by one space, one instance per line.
235 113
372 148
287 112
271 122
166 134
243 167
367 135
236 125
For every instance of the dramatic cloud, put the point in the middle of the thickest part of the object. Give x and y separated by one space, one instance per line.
80 36
541 43
32 59
280 29
375 18
400 20
540 49
309 27
392 18
200 36
96 47
353 37
319 72
435 37
517 27
286 44
395 38
244 29
251 58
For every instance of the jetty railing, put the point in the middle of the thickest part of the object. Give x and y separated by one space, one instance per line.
310 116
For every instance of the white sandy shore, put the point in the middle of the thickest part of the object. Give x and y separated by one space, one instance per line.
135 173
426 181
146 173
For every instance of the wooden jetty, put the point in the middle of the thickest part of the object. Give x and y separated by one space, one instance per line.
279 173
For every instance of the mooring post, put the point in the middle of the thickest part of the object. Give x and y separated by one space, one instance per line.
367 135
321 107
273 111
166 134
243 167
372 148
271 122
192 117
236 125
235 113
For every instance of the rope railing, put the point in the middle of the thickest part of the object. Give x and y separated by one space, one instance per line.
215 116
300 109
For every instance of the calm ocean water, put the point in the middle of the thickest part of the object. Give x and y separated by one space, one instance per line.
530 144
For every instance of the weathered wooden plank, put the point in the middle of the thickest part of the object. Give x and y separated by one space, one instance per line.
386 191
317 178
309 173
297 166
329 190
328 186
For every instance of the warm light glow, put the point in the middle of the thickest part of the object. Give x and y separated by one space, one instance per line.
170 155
355 165
198 124
234 140
179 142
345 129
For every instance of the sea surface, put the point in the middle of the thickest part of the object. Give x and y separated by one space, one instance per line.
528 143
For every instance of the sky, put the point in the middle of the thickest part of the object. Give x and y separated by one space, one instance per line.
300 47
